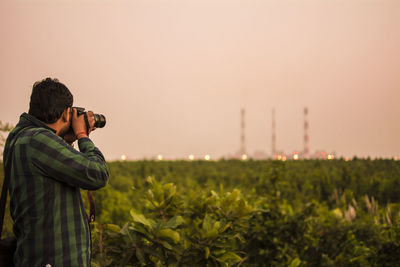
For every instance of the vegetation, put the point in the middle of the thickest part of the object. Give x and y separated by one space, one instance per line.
249 213
5 128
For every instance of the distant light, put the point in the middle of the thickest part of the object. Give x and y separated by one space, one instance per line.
283 158
346 159
296 156
123 157
244 157
330 156
279 157
396 158
191 157
207 157
159 157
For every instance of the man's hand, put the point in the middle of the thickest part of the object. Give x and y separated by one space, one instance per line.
79 124
70 137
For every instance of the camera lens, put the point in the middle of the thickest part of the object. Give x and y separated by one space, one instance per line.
99 120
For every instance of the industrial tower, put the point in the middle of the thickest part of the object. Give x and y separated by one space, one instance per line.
273 141
306 150
242 133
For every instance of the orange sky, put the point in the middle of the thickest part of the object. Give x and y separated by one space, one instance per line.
172 76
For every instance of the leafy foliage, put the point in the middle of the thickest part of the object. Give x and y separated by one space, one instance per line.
249 213
5 128
165 235
299 213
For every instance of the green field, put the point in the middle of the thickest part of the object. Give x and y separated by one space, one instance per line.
249 213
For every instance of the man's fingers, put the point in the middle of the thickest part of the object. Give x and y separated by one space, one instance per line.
78 123
75 113
90 115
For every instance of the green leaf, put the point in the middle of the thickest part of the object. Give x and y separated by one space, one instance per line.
169 233
296 262
213 233
239 237
112 227
206 252
207 224
225 227
186 244
214 194
155 204
170 189
166 244
158 193
338 213
230 257
233 196
174 222
169 186
138 228
125 230
139 218
219 252
150 180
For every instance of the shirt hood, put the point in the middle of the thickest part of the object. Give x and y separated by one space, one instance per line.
27 120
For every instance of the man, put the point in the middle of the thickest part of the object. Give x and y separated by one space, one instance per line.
50 222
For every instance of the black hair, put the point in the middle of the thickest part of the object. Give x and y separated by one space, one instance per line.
49 99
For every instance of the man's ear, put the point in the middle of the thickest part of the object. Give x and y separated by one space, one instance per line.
65 115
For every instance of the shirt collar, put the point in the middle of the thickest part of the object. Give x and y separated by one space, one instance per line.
29 120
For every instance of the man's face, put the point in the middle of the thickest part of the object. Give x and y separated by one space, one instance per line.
67 123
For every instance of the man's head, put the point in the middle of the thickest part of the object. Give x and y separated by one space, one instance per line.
50 101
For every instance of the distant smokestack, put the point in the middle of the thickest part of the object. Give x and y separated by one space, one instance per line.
273 141
242 133
306 150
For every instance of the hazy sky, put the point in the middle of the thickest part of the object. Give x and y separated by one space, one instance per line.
172 76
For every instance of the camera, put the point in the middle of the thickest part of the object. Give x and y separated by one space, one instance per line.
99 119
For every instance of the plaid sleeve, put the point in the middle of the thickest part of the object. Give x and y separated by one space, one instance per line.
55 158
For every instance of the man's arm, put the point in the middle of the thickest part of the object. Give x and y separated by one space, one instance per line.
55 158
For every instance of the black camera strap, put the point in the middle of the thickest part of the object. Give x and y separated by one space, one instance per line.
87 123
85 116
92 207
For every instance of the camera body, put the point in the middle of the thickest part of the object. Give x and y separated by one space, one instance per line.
99 119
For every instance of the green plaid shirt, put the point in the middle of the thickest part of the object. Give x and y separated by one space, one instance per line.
50 222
